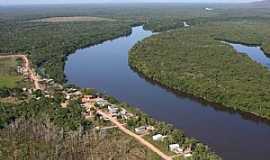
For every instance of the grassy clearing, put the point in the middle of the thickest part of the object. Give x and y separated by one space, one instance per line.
8 75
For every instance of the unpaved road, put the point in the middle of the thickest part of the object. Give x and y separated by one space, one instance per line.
137 137
31 73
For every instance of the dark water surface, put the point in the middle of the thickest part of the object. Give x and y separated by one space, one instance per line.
105 67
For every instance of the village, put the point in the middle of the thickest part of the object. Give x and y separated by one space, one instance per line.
98 107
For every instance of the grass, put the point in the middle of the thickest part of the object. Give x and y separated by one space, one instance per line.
8 75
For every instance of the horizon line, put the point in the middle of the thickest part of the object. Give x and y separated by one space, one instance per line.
31 4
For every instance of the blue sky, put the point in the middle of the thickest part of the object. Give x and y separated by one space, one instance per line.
10 2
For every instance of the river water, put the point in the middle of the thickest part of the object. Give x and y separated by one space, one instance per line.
233 136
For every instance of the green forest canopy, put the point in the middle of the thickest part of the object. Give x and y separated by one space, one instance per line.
193 61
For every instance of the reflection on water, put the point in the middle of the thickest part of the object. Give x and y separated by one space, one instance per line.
105 67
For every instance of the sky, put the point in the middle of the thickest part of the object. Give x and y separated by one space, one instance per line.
15 2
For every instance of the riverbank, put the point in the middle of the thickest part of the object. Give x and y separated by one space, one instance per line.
72 95
199 119
224 84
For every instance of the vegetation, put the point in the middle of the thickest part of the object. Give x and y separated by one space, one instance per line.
189 60
42 129
48 44
35 139
200 151
193 62
8 73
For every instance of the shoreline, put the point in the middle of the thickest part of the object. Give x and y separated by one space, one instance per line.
246 115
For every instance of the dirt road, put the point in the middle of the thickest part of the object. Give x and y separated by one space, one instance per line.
137 137
27 65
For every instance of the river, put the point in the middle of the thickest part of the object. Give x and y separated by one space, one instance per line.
233 136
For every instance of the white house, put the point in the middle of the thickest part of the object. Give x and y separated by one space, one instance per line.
209 9
157 137
68 97
186 24
112 109
141 130
175 148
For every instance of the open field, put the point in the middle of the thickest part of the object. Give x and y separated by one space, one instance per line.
8 73
72 19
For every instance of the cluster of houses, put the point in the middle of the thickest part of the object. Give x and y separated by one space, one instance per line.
174 147
23 71
178 150
71 93
89 101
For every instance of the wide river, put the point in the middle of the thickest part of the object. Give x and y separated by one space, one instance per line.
233 136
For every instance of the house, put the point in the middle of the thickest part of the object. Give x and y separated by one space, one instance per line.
209 9
186 24
113 109
123 112
175 148
158 137
141 130
101 102
67 97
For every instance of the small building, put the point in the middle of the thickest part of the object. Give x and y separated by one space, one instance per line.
101 102
175 148
209 9
157 137
67 97
123 112
112 109
141 130
186 24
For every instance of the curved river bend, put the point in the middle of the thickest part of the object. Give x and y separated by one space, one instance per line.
105 67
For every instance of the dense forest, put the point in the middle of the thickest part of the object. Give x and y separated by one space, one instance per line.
193 61
49 43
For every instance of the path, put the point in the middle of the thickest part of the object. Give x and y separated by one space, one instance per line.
31 73
137 137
